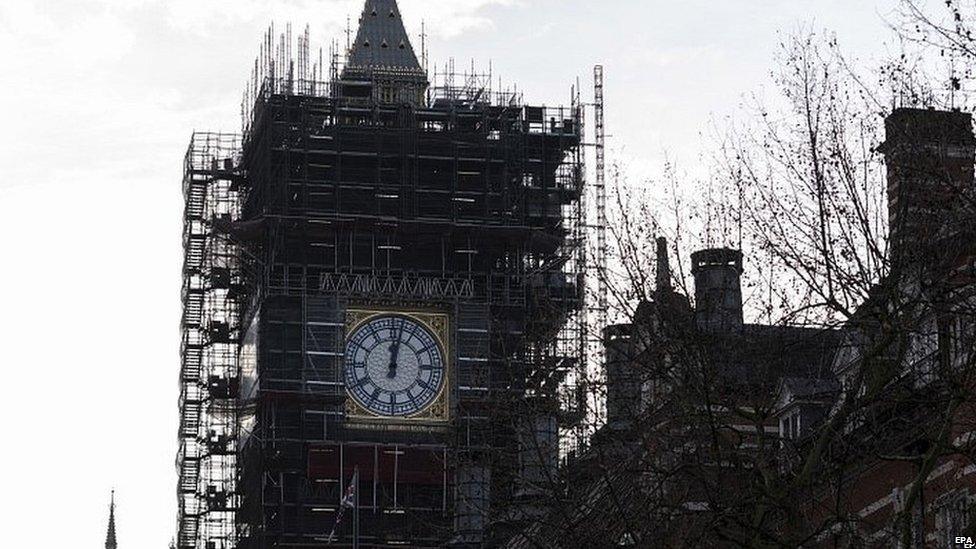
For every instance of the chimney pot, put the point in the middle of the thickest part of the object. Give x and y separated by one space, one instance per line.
718 289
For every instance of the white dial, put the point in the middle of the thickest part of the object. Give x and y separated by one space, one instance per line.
394 366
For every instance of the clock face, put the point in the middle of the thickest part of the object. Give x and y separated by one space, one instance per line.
394 366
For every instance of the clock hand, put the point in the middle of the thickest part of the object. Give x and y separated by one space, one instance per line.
394 353
393 360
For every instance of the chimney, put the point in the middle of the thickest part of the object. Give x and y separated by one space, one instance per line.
623 381
929 156
663 283
718 289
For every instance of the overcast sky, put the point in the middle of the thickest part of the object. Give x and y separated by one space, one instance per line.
99 98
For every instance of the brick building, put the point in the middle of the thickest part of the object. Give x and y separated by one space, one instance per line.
723 433
906 433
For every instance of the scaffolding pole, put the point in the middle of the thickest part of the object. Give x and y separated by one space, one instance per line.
601 199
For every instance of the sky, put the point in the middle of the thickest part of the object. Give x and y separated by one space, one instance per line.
98 101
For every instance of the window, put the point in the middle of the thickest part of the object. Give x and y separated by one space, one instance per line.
789 426
952 516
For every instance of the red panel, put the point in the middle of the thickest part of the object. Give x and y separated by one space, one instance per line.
363 457
421 467
383 462
323 462
388 458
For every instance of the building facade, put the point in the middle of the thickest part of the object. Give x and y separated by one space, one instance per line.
910 462
722 433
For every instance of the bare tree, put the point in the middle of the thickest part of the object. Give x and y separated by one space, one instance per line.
693 454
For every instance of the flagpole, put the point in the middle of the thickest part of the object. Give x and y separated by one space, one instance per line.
349 499
355 512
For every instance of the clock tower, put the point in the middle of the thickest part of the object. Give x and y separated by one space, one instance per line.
406 281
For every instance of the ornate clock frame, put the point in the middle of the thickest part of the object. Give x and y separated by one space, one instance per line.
438 413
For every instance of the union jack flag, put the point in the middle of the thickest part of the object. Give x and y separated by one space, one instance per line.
348 502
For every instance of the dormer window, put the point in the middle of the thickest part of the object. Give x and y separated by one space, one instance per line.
366 44
789 426
392 14
373 13
384 45
403 46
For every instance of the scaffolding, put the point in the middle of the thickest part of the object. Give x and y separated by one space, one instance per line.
467 201
600 189
206 462
597 241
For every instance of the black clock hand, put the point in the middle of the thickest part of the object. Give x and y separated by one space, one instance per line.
395 352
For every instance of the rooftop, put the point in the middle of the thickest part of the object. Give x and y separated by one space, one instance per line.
382 42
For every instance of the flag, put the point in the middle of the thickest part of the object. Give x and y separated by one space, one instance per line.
349 501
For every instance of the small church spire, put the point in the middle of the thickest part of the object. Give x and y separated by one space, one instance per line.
110 542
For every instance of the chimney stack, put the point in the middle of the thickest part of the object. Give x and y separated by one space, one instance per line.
718 289
663 285
929 156
623 380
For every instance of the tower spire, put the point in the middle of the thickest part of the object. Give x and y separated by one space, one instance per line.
382 42
110 542
381 63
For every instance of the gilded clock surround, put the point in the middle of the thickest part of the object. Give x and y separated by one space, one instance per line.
438 412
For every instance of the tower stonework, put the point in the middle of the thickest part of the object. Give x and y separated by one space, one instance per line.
392 282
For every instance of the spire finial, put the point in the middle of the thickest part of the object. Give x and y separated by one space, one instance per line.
110 542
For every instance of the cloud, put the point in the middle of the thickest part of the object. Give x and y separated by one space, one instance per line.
194 16
706 54
444 18
450 18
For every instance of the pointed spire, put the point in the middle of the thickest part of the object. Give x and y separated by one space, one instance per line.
110 542
380 28
663 267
